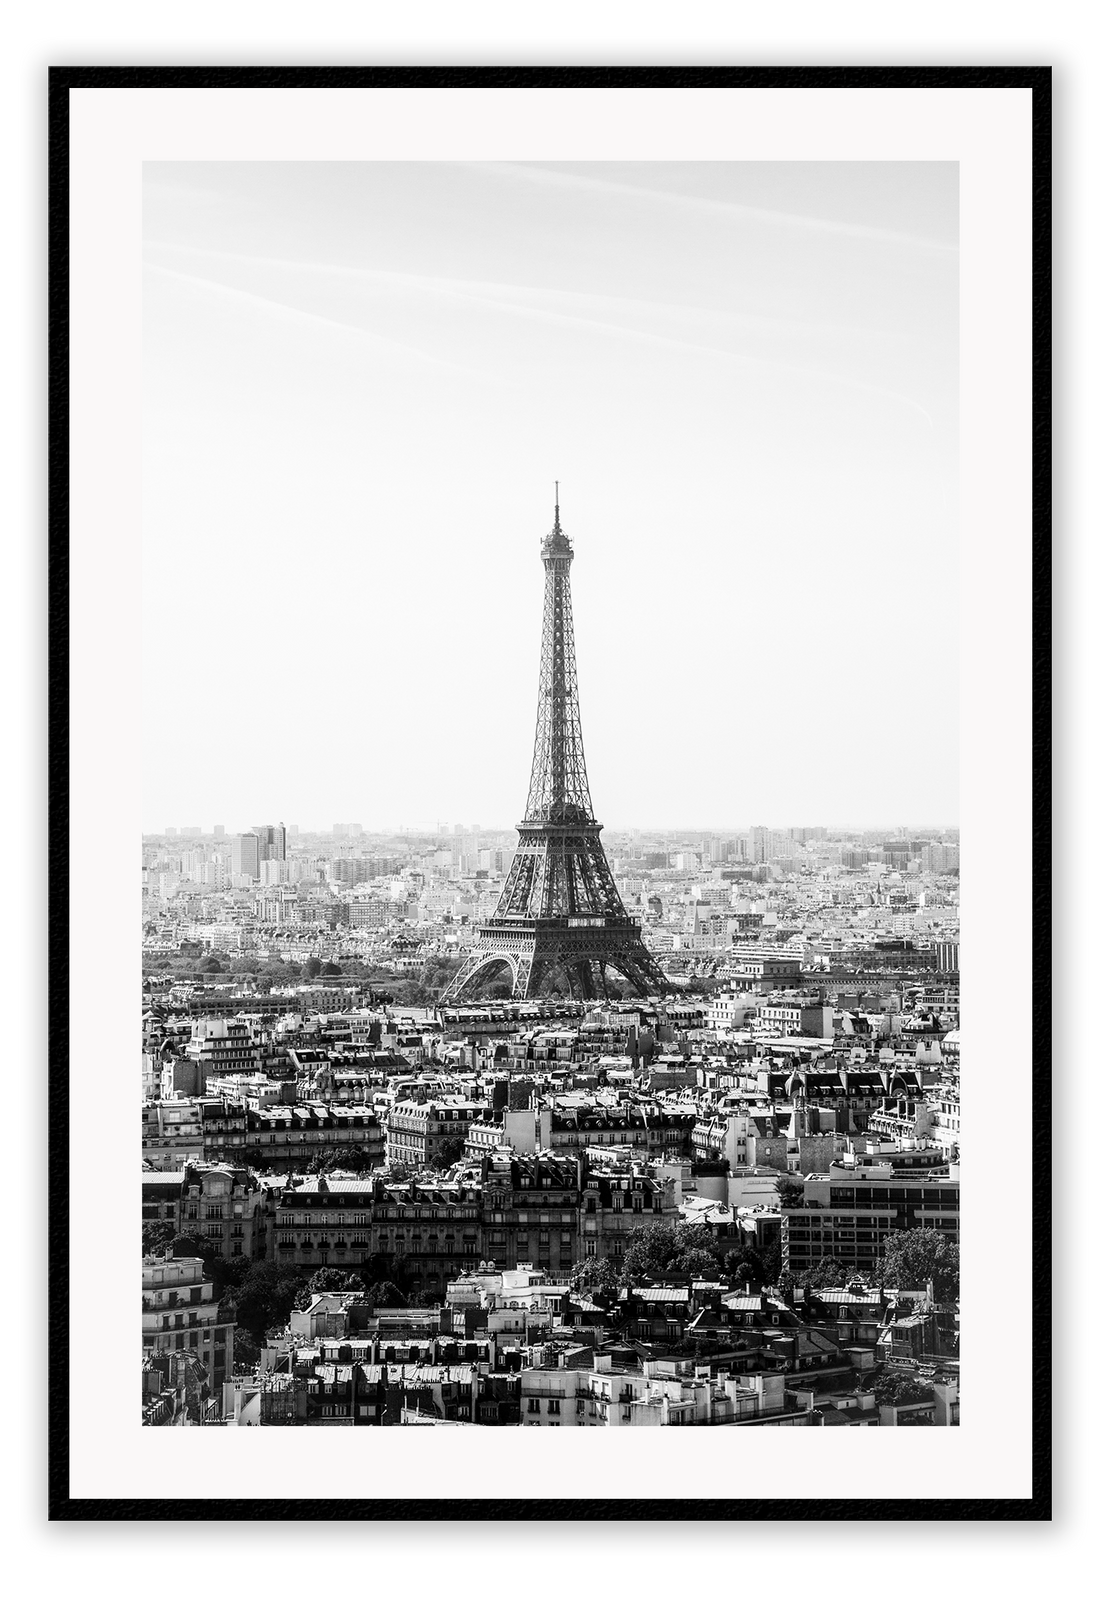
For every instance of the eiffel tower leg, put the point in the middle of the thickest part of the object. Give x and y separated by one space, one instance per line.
528 976
585 979
637 977
451 991
573 977
476 965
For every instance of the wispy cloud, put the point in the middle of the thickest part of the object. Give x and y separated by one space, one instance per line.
556 178
538 304
275 307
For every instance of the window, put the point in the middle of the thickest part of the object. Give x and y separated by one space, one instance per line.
553 1408
534 1405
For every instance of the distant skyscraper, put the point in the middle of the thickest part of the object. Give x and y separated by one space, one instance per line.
272 838
219 831
246 855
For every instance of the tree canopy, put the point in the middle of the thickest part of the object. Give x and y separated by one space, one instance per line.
911 1259
157 1238
355 1158
692 1250
328 1280
597 1278
827 1274
897 1388
384 1293
264 1296
448 1151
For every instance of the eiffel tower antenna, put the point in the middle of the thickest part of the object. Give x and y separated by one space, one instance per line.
560 913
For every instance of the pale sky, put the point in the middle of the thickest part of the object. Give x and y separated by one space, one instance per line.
361 383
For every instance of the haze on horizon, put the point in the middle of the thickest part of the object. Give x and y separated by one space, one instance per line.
361 381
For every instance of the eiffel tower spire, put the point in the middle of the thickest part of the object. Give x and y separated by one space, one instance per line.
559 913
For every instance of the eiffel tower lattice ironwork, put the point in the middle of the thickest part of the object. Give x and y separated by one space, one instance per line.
560 913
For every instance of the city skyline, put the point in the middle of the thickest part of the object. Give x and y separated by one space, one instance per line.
458 826
361 382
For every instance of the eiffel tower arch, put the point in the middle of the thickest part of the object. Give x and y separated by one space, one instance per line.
560 915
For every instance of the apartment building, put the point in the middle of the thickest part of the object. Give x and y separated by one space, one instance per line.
848 1214
179 1312
417 1134
226 1205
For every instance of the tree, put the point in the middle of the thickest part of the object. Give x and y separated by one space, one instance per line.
384 1293
329 1280
896 1388
789 1194
448 1152
827 1274
354 1158
157 1238
414 994
692 1250
311 968
597 1278
911 1259
211 966
264 1298
224 1273
771 1261
747 1264
331 968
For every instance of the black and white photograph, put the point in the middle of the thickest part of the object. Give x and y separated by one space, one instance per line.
551 745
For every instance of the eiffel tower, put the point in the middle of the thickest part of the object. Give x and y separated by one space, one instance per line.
560 916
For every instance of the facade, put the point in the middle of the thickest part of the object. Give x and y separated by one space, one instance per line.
419 1134
226 1205
161 1195
538 1209
180 1313
171 1134
221 1048
848 1215
246 856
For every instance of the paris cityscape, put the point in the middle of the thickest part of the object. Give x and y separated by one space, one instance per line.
631 1097
552 1125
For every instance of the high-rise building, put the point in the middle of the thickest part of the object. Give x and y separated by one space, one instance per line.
560 913
272 838
246 855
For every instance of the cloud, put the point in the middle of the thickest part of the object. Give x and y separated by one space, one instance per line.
560 308
276 308
538 174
